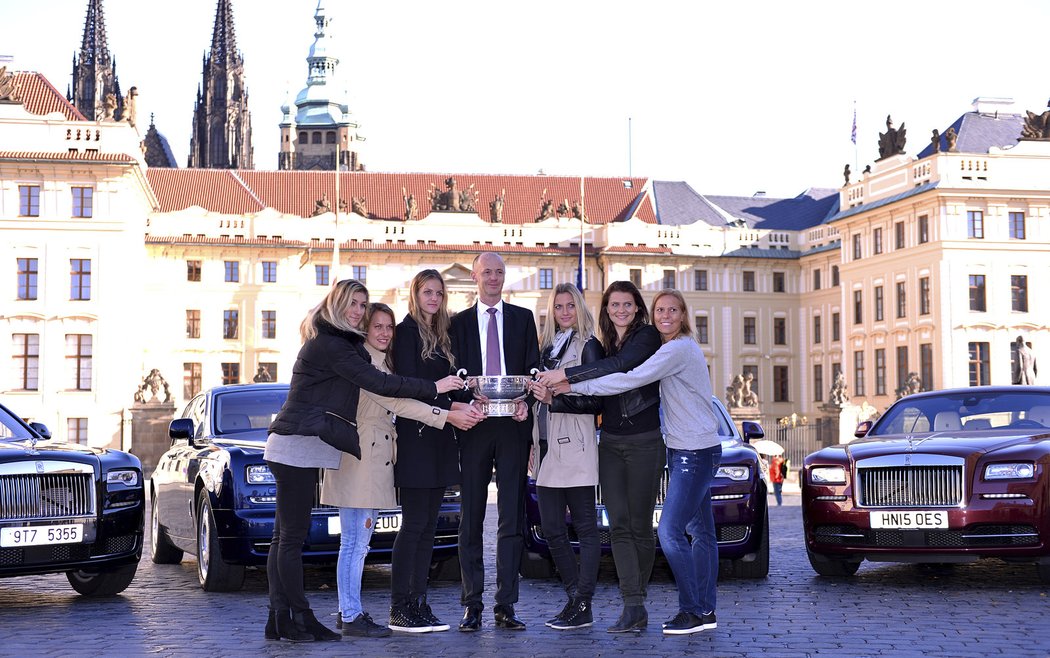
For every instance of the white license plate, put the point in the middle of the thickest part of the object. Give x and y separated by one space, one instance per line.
42 535
389 523
913 520
385 523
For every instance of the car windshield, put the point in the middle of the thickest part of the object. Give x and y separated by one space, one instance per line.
966 411
11 428
247 410
726 429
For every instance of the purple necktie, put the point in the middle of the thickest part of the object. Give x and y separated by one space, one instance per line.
492 358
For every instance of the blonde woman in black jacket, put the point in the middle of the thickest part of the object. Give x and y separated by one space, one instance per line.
316 424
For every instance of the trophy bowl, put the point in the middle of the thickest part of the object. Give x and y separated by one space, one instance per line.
497 395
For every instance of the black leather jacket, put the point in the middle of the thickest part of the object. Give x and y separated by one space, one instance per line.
634 411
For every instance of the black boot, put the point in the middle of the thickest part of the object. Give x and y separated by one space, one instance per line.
561 615
634 618
287 629
579 615
271 625
314 628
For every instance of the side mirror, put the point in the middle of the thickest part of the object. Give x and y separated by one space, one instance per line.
180 429
863 429
41 429
752 430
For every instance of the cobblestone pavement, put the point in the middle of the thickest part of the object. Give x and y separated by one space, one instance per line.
987 609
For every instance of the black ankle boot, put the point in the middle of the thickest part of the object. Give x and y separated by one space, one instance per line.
270 633
286 628
318 631
579 615
634 618
564 611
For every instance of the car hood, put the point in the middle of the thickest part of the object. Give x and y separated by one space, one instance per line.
957 444
12 451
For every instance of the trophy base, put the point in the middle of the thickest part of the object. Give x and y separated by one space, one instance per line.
498 408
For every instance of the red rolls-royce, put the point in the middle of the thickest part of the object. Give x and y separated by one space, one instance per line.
942 477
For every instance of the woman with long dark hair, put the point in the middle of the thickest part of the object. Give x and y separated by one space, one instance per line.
315 425
427 457
631 450
694 451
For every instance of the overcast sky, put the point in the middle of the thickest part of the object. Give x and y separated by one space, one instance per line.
731 97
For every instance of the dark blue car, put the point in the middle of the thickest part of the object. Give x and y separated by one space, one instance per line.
213 495
738 496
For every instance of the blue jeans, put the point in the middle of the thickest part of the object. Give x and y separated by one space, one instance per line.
353 547
687 511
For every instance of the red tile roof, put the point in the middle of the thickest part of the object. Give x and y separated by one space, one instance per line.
40 97
68 156
296 192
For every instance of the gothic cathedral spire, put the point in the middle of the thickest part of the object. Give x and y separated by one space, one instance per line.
222 126
94 70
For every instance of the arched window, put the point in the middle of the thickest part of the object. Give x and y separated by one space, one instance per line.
317 138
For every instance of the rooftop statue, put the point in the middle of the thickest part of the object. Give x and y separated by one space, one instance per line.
951 137
1036 126
892 141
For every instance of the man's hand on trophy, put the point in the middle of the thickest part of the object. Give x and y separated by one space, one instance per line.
521 411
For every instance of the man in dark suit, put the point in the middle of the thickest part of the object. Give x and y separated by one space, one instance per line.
489 338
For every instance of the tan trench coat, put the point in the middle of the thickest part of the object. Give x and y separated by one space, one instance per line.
368 482
572 446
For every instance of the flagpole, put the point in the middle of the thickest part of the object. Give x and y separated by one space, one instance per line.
334 277
856 162
580 276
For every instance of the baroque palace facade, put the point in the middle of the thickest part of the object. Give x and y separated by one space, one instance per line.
112 268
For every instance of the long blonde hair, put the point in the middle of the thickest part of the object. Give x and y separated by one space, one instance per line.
584 320
687 329
332 309
434 334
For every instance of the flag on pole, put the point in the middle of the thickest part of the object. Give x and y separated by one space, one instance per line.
853 135
579 268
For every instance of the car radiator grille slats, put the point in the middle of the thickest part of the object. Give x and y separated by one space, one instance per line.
911 486
46 496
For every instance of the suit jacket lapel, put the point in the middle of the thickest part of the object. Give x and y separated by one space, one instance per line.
510 337
474 362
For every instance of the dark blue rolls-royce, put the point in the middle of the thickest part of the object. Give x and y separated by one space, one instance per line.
213 495
67 508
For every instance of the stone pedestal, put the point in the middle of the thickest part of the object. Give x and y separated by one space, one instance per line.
149 432
740 414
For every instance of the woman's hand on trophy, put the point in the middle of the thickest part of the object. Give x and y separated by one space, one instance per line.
540 392
450 383
563 387
551 377
521 411
465 419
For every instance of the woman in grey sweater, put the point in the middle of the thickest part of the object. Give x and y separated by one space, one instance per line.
694 451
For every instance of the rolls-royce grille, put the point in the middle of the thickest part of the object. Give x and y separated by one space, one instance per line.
46 496
971 537
911 486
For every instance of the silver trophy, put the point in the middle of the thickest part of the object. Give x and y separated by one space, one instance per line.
497 395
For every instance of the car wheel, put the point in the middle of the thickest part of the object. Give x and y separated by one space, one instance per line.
535 566
214 574
102 583
447 569
161 550
831 567
759 567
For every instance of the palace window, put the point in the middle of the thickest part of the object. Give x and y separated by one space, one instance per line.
269 271
25 349
878 303
1017 228
858 372
546 278
83 201
749 281
924 295
977 298
269 324
902 301
29 200
229 323
79 278
700 279
975 224
78 361
233 271
28 268
750 331
980 366
193 323
191 380
1019 292
193 270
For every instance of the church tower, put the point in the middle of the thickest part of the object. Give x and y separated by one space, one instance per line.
222 127
95 71
320 121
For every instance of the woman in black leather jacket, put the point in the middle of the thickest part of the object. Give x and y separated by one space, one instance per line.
316 424
631 452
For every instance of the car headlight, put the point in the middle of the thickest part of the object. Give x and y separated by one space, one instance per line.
827 475
1016 471
735 473
259 474
126 477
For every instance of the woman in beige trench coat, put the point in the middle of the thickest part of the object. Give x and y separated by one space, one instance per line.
361 487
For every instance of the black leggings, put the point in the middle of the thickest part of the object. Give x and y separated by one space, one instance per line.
414 545
296 488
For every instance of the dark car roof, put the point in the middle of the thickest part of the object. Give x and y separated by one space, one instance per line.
973 390
260 386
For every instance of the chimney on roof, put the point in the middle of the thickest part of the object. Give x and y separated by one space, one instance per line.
759 194
993 105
